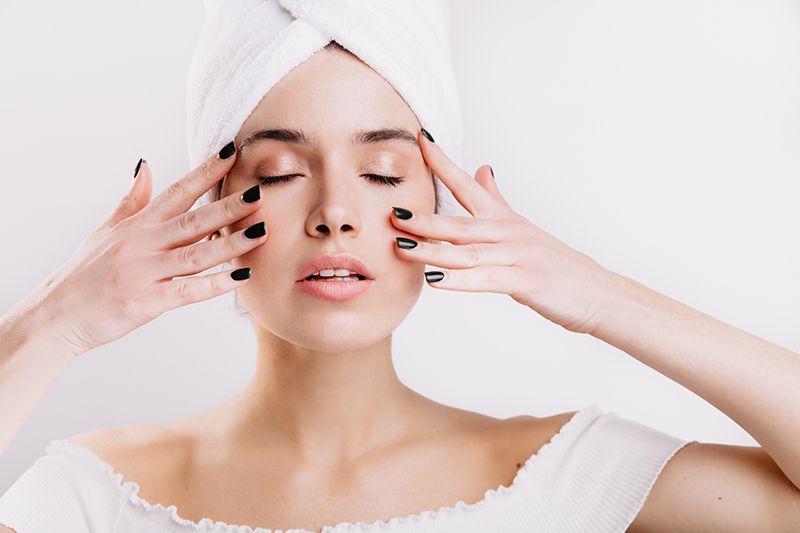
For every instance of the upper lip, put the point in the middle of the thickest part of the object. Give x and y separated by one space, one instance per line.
335 261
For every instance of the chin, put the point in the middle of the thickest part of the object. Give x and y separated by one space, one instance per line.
328 326
338 336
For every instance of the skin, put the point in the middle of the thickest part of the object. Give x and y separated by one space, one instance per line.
325 419
325 433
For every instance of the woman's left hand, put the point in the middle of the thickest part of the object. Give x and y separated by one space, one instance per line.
499 250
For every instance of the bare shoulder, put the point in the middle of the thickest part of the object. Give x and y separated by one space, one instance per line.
155 457
524 435
509 440
546 426
721 487
521 428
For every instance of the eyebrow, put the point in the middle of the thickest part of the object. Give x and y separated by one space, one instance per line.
359 137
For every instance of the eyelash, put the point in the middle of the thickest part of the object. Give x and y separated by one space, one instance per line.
386 180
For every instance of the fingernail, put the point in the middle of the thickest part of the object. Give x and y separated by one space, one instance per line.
252 194
491 170
402 242
138 165
405 214
434 275
256 230
227 150
241 273
427 134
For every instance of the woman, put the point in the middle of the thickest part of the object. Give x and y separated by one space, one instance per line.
325 436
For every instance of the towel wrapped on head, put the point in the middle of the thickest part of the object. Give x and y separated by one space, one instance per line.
247 46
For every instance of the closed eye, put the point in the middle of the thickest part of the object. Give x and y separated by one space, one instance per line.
386 180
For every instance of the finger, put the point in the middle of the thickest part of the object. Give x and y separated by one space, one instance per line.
469 194
183 291
137 196
189 260
499 279
191 226
183 193
454 229
485 177
455 256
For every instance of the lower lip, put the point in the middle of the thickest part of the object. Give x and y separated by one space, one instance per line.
336 291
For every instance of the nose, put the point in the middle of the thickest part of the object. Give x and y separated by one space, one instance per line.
324 228
336 215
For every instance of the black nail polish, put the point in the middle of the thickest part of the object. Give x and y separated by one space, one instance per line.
427 134
402 242
256 230
227 150
138 165
241 273
434 275
252 194
405 214
491 170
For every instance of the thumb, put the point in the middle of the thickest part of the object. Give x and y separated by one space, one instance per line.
485 176
137 196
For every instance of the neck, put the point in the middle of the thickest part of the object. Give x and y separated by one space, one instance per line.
328 406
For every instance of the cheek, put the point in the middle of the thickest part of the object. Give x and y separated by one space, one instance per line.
426 195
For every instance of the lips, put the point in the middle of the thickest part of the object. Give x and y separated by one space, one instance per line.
332 262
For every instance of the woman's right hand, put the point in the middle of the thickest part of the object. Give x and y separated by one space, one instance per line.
121 275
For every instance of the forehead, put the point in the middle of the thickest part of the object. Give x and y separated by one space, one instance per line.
331 96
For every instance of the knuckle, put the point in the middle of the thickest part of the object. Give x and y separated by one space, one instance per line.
189 255
227 246
116 283
188 222
182 290
206 169
462 227
474 253
175 188
217 286
231 208
130 304
118 249
123 225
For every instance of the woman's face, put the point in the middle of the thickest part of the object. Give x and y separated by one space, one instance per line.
330 204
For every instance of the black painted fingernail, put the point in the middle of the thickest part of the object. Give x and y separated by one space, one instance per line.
227 150
138 165
256 230
427 134
241 273
491 170
252 194
405 214
402 242
434 275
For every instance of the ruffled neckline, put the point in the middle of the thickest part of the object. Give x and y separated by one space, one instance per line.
170 514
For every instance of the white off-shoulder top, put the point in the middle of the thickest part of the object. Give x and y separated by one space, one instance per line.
593 475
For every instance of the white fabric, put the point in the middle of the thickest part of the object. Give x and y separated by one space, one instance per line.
247 46
593 475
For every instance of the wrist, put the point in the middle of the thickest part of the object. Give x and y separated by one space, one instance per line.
35 323
624 303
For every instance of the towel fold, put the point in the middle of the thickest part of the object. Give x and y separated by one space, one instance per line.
247 46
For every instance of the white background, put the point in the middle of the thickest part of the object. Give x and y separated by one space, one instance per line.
661 138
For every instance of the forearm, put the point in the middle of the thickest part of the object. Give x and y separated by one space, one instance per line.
31 358
753 381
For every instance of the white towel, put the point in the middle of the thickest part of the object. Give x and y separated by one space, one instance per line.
247 46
